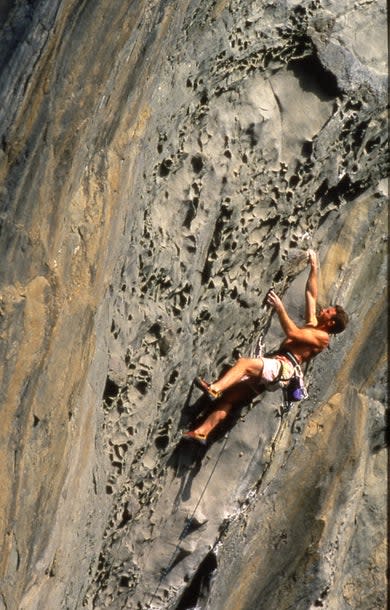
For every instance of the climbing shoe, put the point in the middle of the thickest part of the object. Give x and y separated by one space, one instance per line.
205 387
195 436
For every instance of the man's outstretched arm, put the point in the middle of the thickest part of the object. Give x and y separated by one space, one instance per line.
311 291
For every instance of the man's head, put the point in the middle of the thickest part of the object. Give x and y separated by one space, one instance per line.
334 318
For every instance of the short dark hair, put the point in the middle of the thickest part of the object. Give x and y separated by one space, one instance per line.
340 320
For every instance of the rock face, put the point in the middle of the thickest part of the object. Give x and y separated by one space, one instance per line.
162 165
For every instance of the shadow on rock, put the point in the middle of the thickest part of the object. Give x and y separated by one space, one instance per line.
187 457
186 461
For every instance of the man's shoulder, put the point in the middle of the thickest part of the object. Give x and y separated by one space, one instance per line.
312 326
319 333
312 321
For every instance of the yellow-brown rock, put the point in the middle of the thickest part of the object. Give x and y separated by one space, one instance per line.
162 164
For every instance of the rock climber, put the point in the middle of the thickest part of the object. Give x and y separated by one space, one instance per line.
249 376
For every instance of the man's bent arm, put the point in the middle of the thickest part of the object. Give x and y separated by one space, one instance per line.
310 336
311 291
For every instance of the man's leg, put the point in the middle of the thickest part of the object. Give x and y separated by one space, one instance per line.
253 367
235 396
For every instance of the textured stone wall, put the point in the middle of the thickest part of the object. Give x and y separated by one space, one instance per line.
162 165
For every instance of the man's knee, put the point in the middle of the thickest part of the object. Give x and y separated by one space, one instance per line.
244 363
219 414
241 362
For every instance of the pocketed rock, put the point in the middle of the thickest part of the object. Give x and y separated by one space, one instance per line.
162 166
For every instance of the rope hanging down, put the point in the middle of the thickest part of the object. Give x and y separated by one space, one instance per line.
187 526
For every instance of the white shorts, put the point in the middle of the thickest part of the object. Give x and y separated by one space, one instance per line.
278 367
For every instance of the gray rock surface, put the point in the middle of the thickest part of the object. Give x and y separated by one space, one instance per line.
162 165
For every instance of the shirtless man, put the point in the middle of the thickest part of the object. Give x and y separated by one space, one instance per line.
301 344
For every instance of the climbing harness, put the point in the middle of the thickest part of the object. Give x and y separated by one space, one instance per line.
295 388
188 524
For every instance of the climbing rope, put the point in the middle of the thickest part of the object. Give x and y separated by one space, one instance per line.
187 526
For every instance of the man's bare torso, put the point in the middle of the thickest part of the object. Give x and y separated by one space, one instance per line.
301 350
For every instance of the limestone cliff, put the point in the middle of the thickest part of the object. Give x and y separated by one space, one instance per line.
162 164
